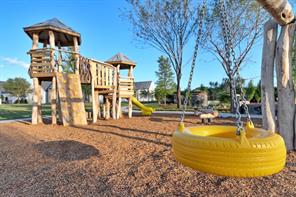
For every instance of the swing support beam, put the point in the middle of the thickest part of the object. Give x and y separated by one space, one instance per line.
278 51
281 10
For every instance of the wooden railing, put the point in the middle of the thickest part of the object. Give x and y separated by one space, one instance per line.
105 75
45 62
85 70
40 63
126 86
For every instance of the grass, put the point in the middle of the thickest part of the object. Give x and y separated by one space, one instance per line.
15 111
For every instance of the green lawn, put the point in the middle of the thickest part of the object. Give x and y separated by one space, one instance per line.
14 111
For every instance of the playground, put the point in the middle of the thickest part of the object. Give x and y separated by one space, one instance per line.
109 143
116 157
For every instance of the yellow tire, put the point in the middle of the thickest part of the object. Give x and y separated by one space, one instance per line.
217 150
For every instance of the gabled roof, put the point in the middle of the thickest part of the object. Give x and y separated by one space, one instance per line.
121 59
143 85
63 33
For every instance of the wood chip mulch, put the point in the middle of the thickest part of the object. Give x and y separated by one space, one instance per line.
126 157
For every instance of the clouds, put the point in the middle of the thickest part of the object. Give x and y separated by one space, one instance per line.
14 61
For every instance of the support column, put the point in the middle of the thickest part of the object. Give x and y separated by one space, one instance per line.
60 58
267 75
39 93
118 113
286 102
95 106
54 101
76 50
35 101
35 85
54 83
130 107
107 108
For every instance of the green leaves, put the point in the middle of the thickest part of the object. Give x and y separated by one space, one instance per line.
165 84
18 87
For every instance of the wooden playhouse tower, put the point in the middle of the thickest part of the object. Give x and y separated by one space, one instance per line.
125 83
108 82
47 64
55 57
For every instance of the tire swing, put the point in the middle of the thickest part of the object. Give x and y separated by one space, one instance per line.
239 151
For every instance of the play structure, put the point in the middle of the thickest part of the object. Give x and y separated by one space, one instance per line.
55 57
242 151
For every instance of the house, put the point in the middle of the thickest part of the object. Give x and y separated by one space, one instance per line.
5 97
144 91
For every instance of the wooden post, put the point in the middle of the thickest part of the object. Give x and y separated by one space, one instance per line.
267 74
286 102
35 85
281 10
114 96
39 89
107 108
35 101
60 58
95 105
54 101
130 107
76 51
104 110
53 89
118 113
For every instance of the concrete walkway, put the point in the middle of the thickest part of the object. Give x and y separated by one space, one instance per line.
221 115
21 119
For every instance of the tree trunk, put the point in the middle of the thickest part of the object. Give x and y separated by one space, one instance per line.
267 74
286 103
179 100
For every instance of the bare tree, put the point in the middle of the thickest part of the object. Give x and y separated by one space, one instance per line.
167 26
242 21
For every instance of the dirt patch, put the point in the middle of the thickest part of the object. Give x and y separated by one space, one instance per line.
126 157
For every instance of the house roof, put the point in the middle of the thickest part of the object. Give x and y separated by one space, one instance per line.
63 33
143 85
121 59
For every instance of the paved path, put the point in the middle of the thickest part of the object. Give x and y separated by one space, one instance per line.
20 119
221 115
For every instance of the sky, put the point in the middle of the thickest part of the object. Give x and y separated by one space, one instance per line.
104 33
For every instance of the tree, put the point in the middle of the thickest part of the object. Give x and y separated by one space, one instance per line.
238 28
145 94
167 26
165 83
257 95
250 90
18 87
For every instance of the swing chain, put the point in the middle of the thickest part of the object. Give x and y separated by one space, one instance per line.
230 52
199 34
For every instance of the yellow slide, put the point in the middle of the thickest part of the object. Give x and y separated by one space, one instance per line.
147 111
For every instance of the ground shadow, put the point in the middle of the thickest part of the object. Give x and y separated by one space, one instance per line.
67 150
139 131
125 136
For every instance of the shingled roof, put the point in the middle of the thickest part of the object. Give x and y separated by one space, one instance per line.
143 85
63 33
121 59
